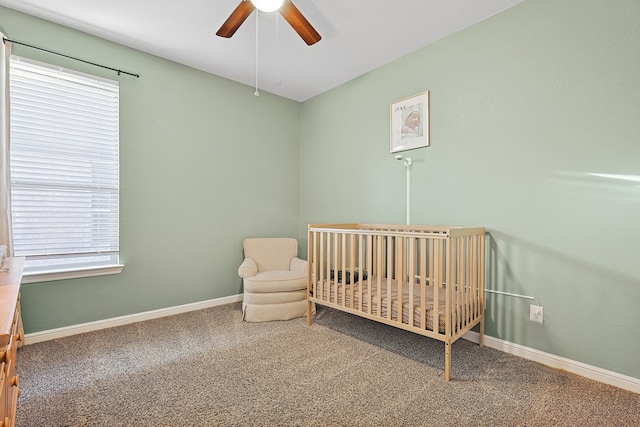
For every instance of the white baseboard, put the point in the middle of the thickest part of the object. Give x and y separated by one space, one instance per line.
125 320
579 368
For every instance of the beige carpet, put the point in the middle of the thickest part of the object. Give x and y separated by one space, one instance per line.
208 368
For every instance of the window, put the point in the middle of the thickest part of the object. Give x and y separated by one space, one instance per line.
64 168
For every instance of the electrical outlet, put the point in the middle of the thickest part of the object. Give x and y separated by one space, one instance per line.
535 313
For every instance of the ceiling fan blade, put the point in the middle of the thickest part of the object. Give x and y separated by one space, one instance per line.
237 17
296 19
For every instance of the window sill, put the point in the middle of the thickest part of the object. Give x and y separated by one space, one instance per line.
75 273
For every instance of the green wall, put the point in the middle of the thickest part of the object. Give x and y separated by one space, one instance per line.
524 107
204 164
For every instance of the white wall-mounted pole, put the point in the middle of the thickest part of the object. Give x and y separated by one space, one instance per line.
408 161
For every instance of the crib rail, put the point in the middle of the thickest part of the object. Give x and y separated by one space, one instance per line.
427 279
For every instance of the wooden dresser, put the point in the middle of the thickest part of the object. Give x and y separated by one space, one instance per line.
11 338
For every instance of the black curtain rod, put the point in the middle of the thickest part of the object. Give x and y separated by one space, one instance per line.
4 40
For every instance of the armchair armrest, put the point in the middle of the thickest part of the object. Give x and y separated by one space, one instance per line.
298 264
248 268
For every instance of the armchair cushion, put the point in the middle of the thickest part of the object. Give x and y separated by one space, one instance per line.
276 281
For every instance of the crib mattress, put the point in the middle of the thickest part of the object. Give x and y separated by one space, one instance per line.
361 288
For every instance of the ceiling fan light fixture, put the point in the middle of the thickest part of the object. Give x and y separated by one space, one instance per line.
268 5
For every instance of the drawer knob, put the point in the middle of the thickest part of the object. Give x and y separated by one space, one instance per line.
15 381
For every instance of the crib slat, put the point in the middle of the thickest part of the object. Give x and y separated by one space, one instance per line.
470 302
474 277
361 269
461 259
329 261
436 268
423 284
412 278
369 256
473 272
399 275
336 267
343 266
352 267
460 280
390 250
467 280
321 294
379 240
470 280
327 267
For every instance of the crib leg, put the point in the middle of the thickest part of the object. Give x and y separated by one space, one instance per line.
482 332
447 361
309 313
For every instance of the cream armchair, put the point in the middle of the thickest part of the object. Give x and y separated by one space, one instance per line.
275 280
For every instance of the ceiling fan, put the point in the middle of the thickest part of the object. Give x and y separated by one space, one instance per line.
289 12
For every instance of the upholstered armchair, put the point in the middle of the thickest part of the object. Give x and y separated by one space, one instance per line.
275 280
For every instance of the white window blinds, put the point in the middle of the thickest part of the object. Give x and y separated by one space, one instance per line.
64 167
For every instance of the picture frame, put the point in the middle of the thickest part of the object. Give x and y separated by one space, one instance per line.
410 123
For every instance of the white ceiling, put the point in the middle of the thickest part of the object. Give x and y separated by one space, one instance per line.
357 35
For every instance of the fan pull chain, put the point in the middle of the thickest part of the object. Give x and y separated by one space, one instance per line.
278 81
256 93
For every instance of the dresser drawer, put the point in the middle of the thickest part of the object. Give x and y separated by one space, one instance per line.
4 400
16 327
10 386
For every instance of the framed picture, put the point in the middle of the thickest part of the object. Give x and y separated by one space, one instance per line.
410 123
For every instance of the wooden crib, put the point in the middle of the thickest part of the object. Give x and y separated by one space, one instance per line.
424 279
